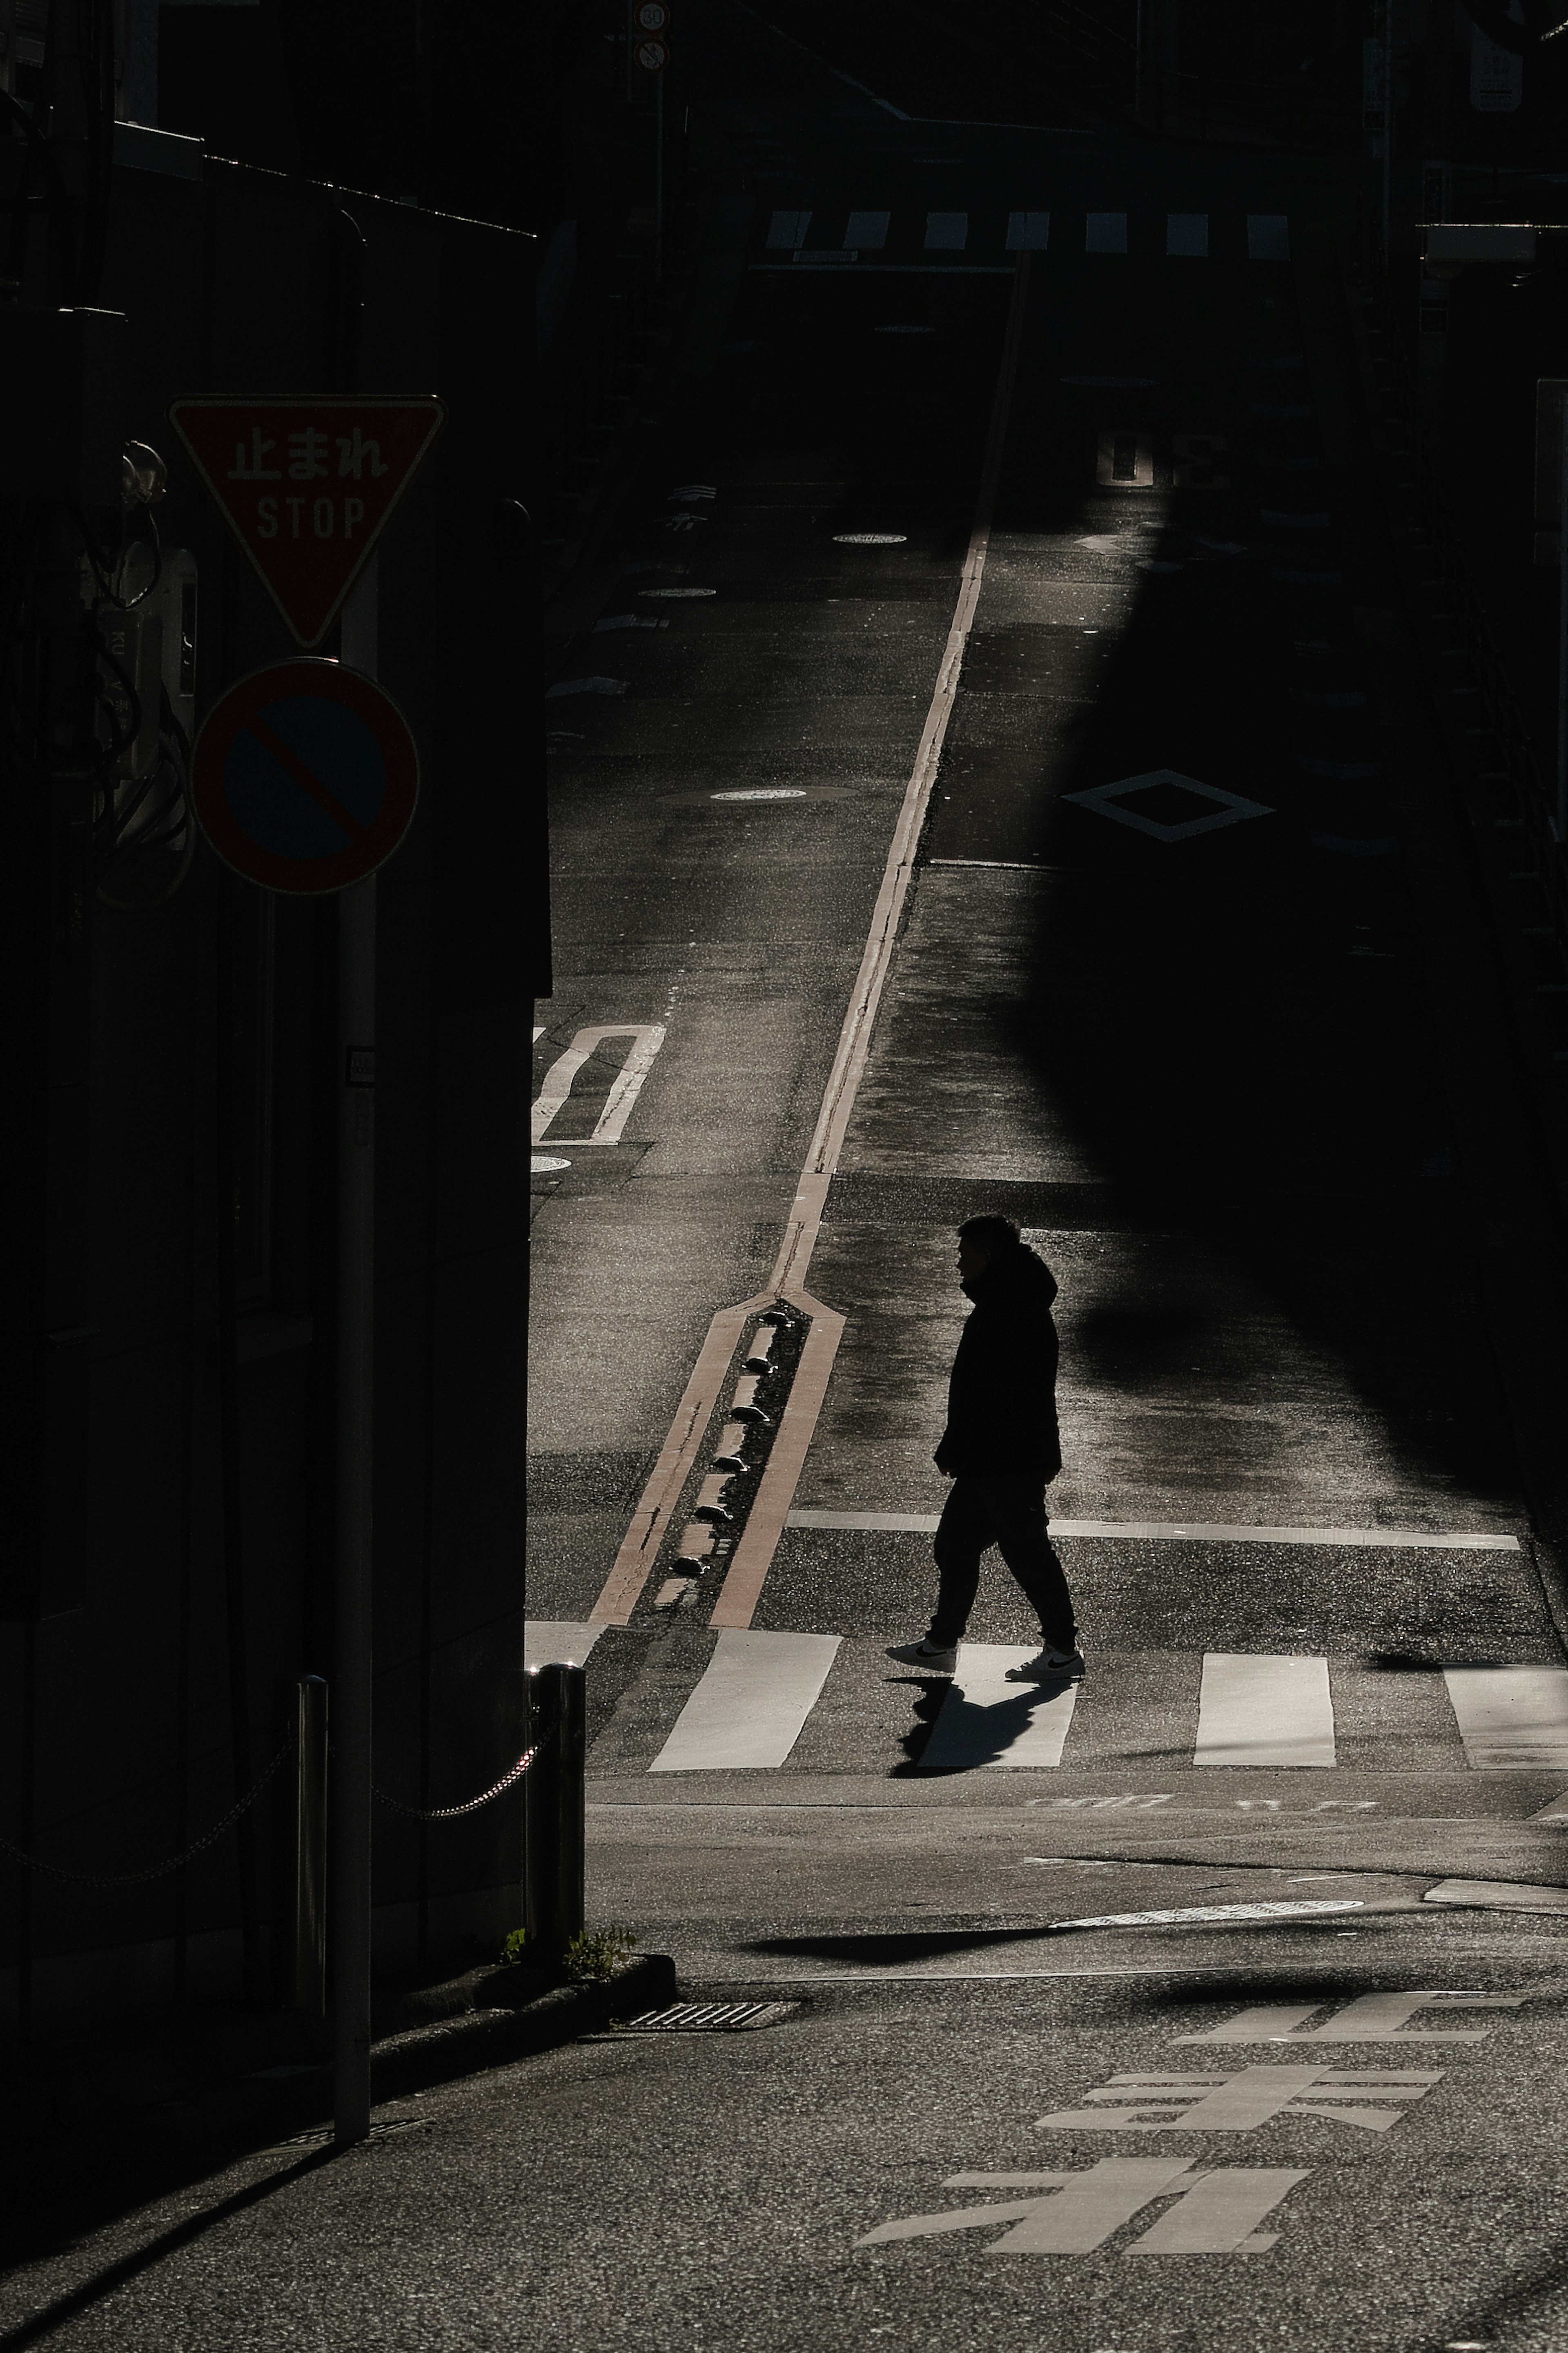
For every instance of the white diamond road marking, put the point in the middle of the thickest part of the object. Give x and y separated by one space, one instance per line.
870 538
673 593
1260 1711
1028 232
1107 801
1105 233
985 1720
764 793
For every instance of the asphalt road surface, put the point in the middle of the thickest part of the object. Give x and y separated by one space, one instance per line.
988 775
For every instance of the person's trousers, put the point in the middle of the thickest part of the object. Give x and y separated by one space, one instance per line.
1010 1515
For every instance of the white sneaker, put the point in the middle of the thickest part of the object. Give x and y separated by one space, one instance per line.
936 1658
1050 1667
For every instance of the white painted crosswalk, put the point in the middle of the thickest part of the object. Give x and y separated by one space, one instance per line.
1255 1710
750 1706
864 233
986 1720
1244 1711
1511 1716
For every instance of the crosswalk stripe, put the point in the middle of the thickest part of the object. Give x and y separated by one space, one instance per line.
1268 236
568 1639
985 1720
787 230
1187 234
866 232
1028 232
750 1706
1511 1716
1264 1711
946 232
1105 233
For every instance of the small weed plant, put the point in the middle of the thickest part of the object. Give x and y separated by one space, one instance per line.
598 1954
514 1952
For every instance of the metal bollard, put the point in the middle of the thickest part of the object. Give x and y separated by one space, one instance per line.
553 1813
310 1850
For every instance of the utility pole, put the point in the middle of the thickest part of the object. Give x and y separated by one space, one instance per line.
355 1326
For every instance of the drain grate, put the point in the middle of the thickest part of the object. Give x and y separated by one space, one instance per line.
708 2018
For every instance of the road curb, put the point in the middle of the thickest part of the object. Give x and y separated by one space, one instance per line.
429 2055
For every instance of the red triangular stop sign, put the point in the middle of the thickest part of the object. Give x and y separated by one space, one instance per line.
306 486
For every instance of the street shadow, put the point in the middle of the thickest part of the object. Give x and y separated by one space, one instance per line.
971 1736
117 2275
1227 1016
885 1951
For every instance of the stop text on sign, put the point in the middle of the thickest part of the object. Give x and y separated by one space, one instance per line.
306 485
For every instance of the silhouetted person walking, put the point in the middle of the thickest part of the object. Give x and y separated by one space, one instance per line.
1001 1449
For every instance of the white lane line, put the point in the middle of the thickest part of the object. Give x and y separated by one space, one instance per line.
748 1710
985 1720
568 1639
1182 1531
1264 1711
1268 236
1028 232
1498 1896
946 232
866 232
1511 1716
1105 233
1187 234
646 1037
786 231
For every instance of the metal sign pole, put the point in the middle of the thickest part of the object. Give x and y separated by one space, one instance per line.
1561 810
351 1795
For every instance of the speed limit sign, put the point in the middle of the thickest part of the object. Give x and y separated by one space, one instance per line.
653 55
650 15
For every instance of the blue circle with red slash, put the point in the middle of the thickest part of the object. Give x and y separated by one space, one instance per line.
305 776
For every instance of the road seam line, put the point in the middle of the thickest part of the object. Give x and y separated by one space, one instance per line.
743 1584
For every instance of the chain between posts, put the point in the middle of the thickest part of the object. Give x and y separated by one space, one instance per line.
451 1813
177 1863
156 1869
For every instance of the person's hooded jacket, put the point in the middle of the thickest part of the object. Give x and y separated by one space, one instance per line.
1000 1399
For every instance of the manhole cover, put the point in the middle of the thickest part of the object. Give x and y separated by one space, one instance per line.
541 1166
772 793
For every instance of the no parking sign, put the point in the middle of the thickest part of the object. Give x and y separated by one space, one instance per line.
305 776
